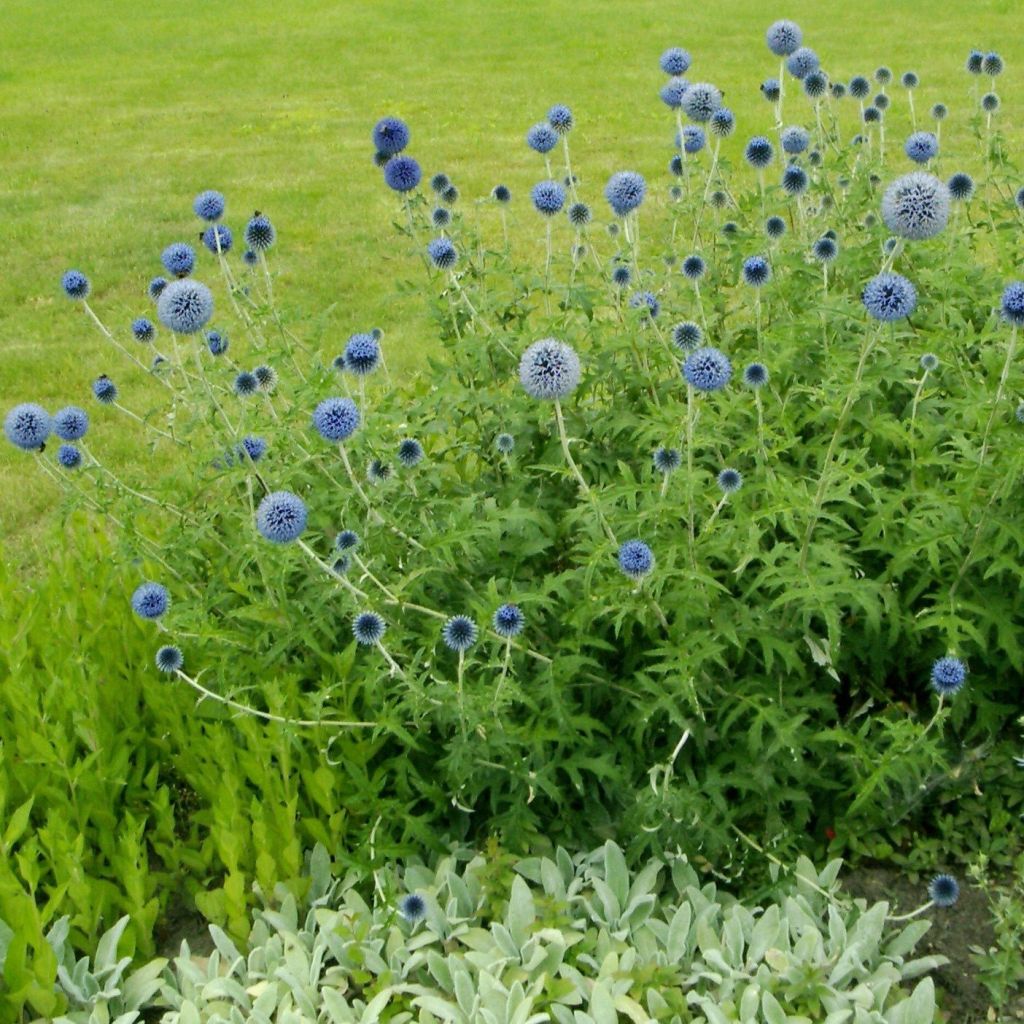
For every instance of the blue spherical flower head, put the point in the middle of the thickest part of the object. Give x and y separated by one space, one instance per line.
501 193
755 375
250 258
150 601
390 135
413 908
675 61
990 102
169 659
251 447
707 369
185 306
794 180
722 123
75 284
579 215
948 676
439 182
260 234
838 90
549 369
673 91
69 456
784 37
216 343
245 384
156 287
825 250
70 423
218 238
667 460
508 621
402 173
542 138
377 471
693 139
27 426
548 197
362 354
143 329
380 159
759 152
178 259
442 252
266 378
621 276
687 335
975 62
939 111
909 80
815 84
1012 305
336 419
440 217
883 75
209 205
961 187
943 890
647 302
368 628
730 228
882 101
410 452
701 100
889 297
693 267
757 271
636 559
560 118
921 147
916 206
104 389
505 443
675 165
872 115
730 481
774 227
625 192
346 540
771 90
929 361
802 62
795 139
860 87
459 633
992 64
281 517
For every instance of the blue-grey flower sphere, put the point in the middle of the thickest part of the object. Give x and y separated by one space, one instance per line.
410 452
882 101
755 375
346 540
872 115
794 180
707 369
636 559
625 192
673 91
69 456
548 197
412 908
775 226
939 111
150 600
975 62
825 250
961 187
156 287
216 343
250 258
701 100
560 118
722 123
909 80
802 62
838 90
795 139
730 481
169 659
368 628
442 253
143 329
889 297
402 173
948 676
508 621
759 152
266 378
771 90
440 217
70 423
916 206
75 284
929 361
579 215
667 460
178 259
687 335
209 205
251 447
944 890
784 37
1012 304
921 147
218 238
549 369
693 139
245 384
815 84
505 443
757 271
27 426
439 182
501 193
675 61
693 267
992 64
362 354
542 138
281 517
390 135
185 306
621 275
990 102
459 633
377 471
860 87
336 419
646 301
104 389
883 75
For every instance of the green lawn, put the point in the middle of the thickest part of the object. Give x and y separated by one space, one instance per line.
117 113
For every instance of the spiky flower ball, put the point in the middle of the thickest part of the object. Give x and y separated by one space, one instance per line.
69 456
504 443
722 123
143 329
245 384
693 139
940 111
921 147
549 369
625 192
542 138
647 302
975 62
346 540
701 100
266 378
909 80
838 90
693 267
402 173
774 227
104 390
178 259
944 891
961 187
1012 305
675 61
218 238
883 75
281 517
336 419
442 252
882 101
992 64
169 659
784 37
459 633
771 90
27 426
75 284
795 139
362 354
859 87
440 218
185 306
667 460
508 621
251 448
794 180
757 271
929 361
410 452
548 197
889 297
872 115
412 908
156 287
802 62
368 628
150 601
501 193
990 102
916 206
673 91
579 215
759 152
209 205
621 275
948 676
730 481
390 135
687 335
216 343
825 250
560 118
707 369
815 84
636 559
70 423
250 258
755 375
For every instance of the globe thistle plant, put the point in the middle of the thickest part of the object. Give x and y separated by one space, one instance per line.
390 135
169 659
992 64
501 193
185 306
156 287
281 517
1011 306
929 362
667 460
815 84
150 601
442 253
548 197
560 118
759 152
794 180
178 259
549 370
412 908
336 419
218 238
542 138
504 443
621 275
459 633
647 302
944 891
801 62
722 123
961 187
266 378
368 628
440 217
70 423
975 62
579 215
687 335
701 100
216 343
209 205
69 456
673 91
889 297
916 206
707 369
883 75
755 375
860 87
143 329
921 147
410 452
693 267
825 250
757 271
636 559
27 426
75 284
771 90
401 173
674 61
948 676
693 139
346 540
245 384
784 37
795 139
508 621
104 390
774 227
729 481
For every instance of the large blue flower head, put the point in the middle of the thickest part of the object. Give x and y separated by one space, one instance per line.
693 139
402 173
707 369
860 87
794 180
75 284
755 376
1012 305
693 267
281 517
218 238
185 306
459 633
104 390
889 297
825 250
70 423
260 234
775 226
667 460
548 197
390 135
150 600
759 152
647 302
69 456
549 369
156 287
410 452
722 123
209 205
368 628
362 354
921 147
27 426
992 64
944 891
784 37
178 259
687 335
795 139
336 419
143 329
771 90
625 192
560 118
673 91
636 559
961 187
169 659
675 61
216 343
542 138
802 62
508 621
442 252
757 271
916 206
948 676
815 84
701 100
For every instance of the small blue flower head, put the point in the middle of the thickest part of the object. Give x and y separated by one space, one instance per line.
838 90
27 426
1019 198
815 84
675 61
501 193
693 139
150 601
185 306
771 90
459 633
909 80
730 228
825 250
722 123
281 517
549 369
992 64
990 102
70 423
75 284
209 205
943 890
707 369
872 115
929 361
251 447
169 659
882 101
625 192
667 460
1012 305
450 195
883 75
442 252
975 62
794 180
795 139
673 91
346 540
368 628
621 275
774 227
440 217
647 302
730 481
694 267
759 152
250 258
178 259
218 235
579 215
508 621
701 100
755 376
916 206
948 676
377 472
143 329
687 335
802 62
69 456
245 384
542 138
784 37
336 419
380 159
860 87
156 287
266 378
412 908
505 443
636 559
362 354
216 343
410 452
940 111
921 147
260 234
104 389
961 187
560 118
675 165
548 197
757 271
439 182
390 135
889 297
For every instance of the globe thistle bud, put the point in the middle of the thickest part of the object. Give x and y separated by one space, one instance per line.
948 676
346 540
412 908
883 75
961 187
759 152
104 390
560 118
440 217
672 92
143 329
410 452
872 115
730 481
795 139
859 87
508 621
774 227
825 250
245 384
990 102
439 182
794 180
757 271
216 343
771 90
802 62
707 369
156 287
70 423
694 267
815 84
504 443
368 628
459 633
281 517
940 111
667 460
209 205
943 891
755 376
701 100
390 135
75 284
693 139
687 335
636 559
647 302
882 101
1012 304
975 62
442 253
888 297
909 80
401 173
675 61
579 215
992 64
921 147
784 37
266 378
929 361
250 258
501 193
621 276
722 123
838 90
169 659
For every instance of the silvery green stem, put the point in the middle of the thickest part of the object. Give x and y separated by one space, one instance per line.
1011 348
392 664
504 670
149 426
682 151
213 398
124 487
689 474
366 501
913 115
110 337
714 515
584 488
913 417
462 697
568 167
914 913
330 570
547 265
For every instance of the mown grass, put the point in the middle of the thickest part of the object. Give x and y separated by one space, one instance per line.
117 113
